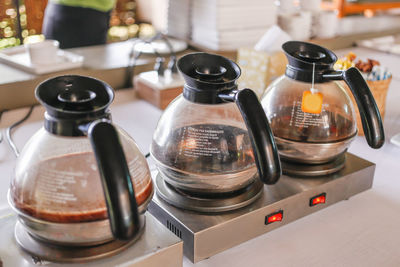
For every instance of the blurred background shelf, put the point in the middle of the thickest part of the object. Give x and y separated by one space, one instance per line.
217 28
345 7
340 42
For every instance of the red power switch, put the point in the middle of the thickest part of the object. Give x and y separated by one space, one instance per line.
274 217
320 199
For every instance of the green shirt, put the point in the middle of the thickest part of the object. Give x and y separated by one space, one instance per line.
101 5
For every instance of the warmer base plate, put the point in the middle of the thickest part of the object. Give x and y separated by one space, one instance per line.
205 235
313 170
156 246
182 200
50 252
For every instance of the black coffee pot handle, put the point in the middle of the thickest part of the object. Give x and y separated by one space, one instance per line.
262 139
369 113
117 185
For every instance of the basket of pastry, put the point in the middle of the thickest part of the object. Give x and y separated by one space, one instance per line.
377 77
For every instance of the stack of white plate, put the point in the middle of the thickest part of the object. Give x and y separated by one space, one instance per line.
178 19
325 24
297 25
304 19
230 24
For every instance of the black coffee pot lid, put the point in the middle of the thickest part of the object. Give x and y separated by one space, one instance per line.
74 95
206 75
72 102
303 57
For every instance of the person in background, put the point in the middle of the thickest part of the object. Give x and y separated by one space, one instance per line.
76 23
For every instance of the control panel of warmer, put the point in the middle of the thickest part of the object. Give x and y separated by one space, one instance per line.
277 216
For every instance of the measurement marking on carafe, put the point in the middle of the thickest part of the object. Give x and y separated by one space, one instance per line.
198 141
303 119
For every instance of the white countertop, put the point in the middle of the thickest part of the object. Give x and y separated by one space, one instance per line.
100 57
362 231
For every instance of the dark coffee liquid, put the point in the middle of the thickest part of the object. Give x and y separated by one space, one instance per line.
68 189
206 149
295 125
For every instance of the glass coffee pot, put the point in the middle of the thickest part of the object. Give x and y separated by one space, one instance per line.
80 180
213 138
311 115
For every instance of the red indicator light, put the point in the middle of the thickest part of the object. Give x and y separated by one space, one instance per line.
320 199
274 217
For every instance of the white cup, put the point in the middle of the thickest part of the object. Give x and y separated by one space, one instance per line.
297 25
43 53
287 6
326 26
310 5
